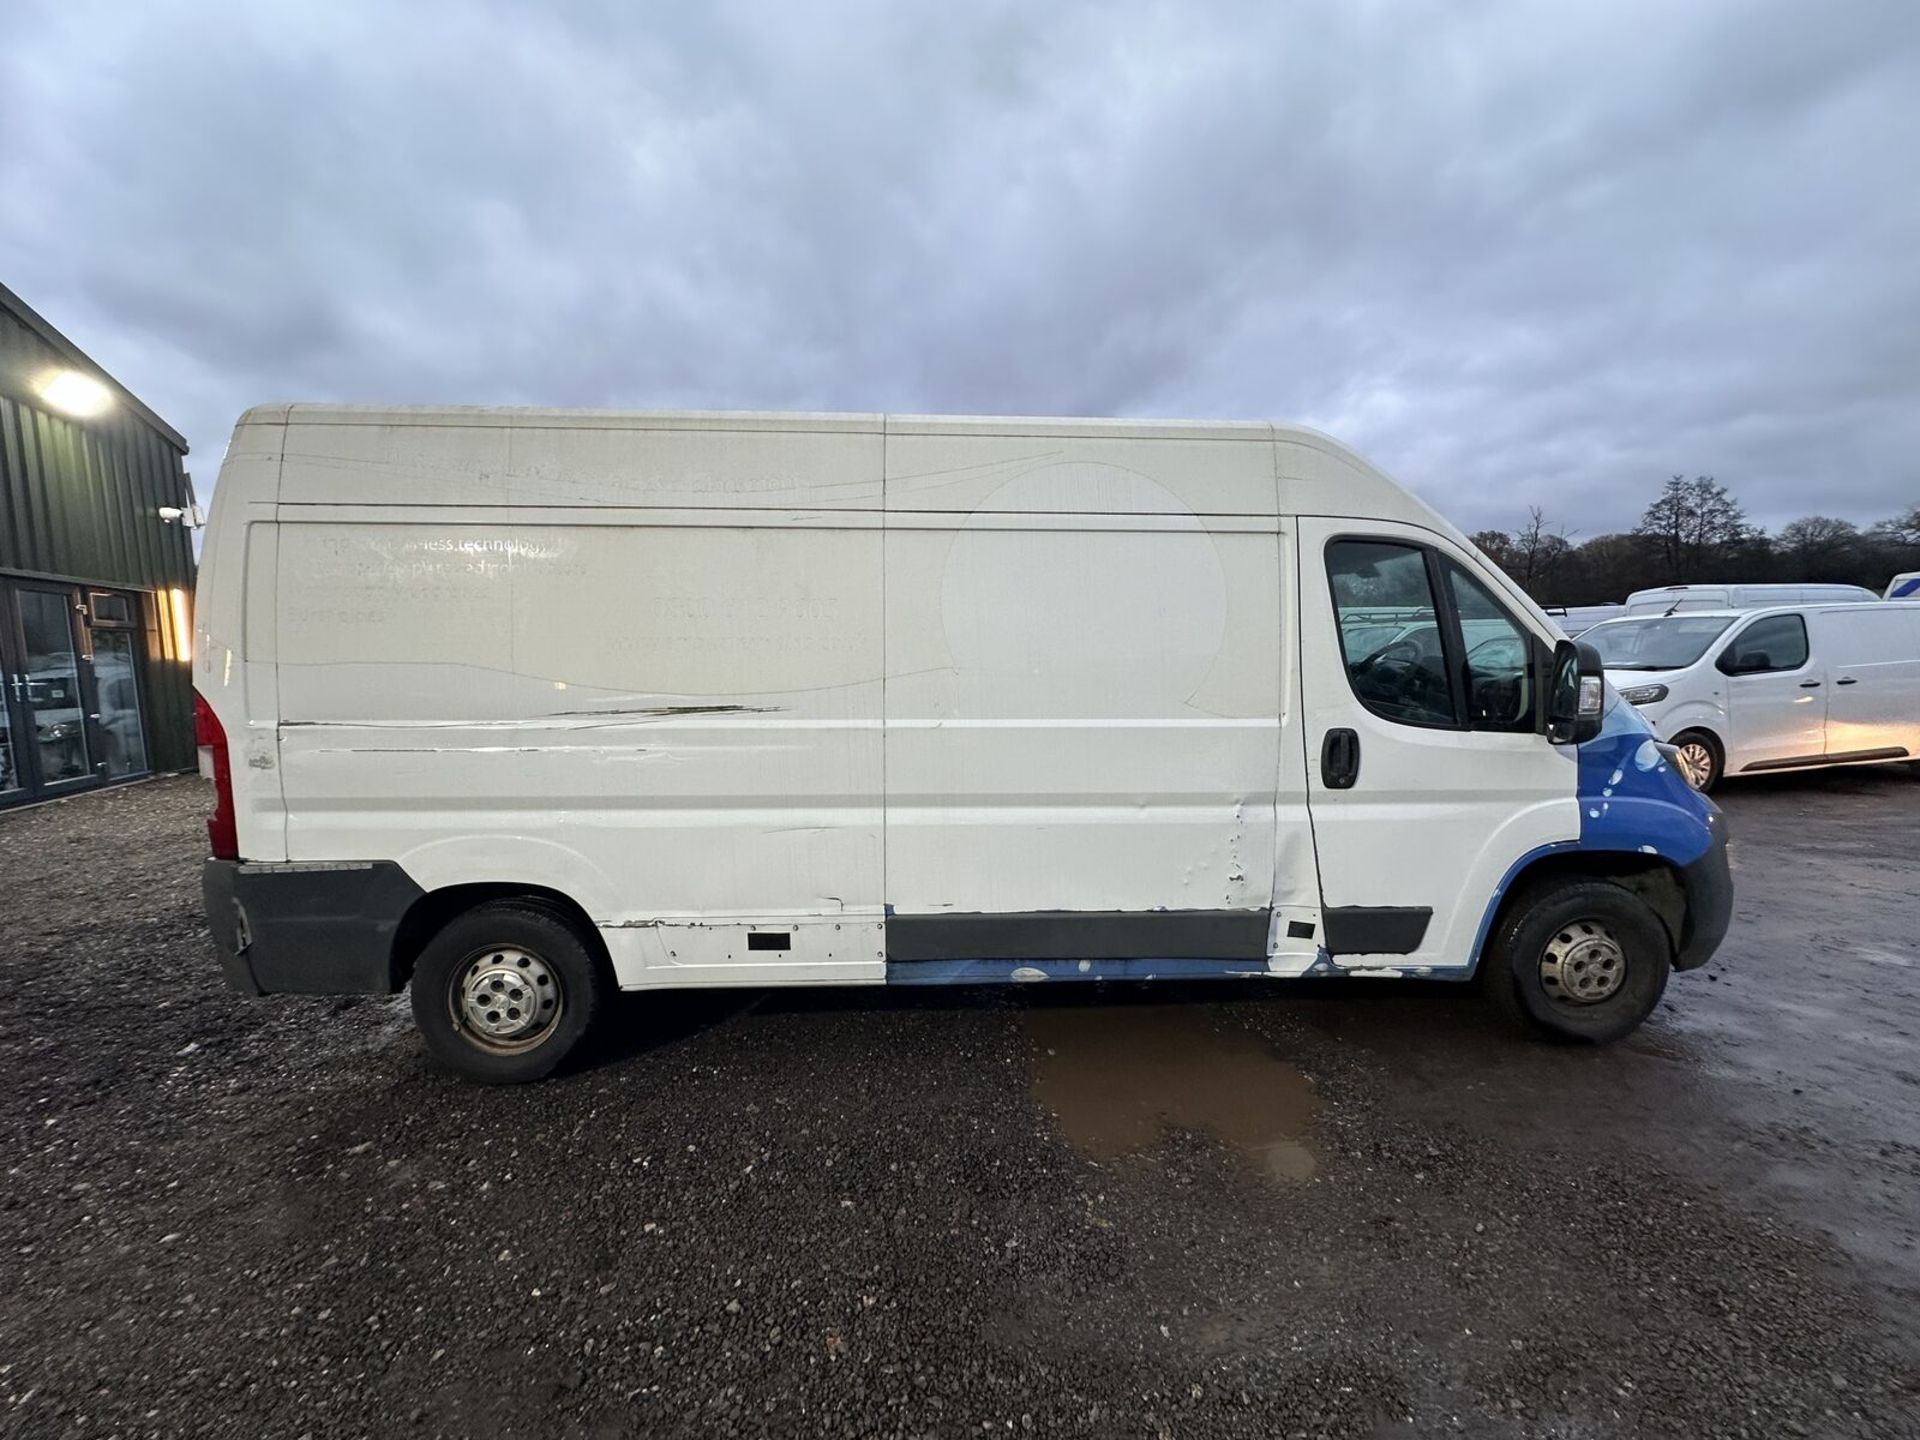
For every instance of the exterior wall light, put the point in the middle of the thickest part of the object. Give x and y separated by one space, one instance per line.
72 393
180 611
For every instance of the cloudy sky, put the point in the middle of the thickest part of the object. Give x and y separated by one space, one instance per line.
1518 253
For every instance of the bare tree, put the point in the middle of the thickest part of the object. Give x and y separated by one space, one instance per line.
1817 547
1901 529
1538 551
1692 522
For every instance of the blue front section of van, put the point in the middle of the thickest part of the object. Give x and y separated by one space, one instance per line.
1633 802
1632 799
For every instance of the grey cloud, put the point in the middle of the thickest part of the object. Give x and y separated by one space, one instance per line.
1516 253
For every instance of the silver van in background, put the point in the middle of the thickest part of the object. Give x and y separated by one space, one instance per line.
1784 688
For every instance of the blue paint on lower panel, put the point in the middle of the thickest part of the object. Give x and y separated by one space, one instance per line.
999 972
1500 893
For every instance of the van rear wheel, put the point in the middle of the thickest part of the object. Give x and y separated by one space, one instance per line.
1579 960
504 993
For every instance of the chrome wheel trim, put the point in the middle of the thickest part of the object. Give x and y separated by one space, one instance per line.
1695 761
506 999
1582 964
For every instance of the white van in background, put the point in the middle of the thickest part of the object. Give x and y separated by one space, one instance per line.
1576 620
520 707
1672 599
1904 586
1787 688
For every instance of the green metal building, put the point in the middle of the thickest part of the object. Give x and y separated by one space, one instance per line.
96 573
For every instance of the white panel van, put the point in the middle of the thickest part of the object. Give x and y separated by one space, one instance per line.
1787 688
1678 599
521 707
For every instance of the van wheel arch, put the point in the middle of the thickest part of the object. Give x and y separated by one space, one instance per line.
1655 881
1581 959
436 909
1716 746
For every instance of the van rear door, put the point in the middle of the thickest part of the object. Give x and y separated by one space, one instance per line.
1427 776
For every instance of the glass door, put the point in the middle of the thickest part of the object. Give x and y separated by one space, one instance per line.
56 739
13 696
113 644
71 711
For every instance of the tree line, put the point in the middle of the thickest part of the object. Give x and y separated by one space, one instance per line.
1695 531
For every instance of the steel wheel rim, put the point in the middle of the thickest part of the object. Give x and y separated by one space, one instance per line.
506 999
1583 964
1696 763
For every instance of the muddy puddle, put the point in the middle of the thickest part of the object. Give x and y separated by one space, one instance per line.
1119 1077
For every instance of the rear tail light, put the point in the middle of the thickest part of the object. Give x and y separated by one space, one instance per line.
211 737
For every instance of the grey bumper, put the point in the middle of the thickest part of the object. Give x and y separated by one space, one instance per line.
307 929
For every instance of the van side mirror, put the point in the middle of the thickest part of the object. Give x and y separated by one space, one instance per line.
1576 693
1747 662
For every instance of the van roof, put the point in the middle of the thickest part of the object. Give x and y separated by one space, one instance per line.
1656 592
437 455
855 422
1729 612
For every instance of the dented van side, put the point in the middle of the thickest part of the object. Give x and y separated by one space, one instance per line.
800 699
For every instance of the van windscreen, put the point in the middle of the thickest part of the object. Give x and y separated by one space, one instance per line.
1663 642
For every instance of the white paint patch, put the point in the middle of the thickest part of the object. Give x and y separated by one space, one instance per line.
1085 966
1883 957
1026 974
1647 757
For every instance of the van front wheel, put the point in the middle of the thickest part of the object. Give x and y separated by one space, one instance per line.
506 991
1698 757
1581 960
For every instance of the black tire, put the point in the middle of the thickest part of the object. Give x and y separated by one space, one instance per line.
510 947
1578 918
1717 758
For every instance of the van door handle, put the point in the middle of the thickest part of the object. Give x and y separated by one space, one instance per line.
1846 680
1814 684
1340 759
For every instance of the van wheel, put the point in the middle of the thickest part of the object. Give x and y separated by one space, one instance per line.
504 993
1699 760
1582 960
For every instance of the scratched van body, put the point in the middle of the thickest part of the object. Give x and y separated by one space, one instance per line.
522 707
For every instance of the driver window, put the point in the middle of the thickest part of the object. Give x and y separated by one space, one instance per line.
1383 602
1498 670
1778 642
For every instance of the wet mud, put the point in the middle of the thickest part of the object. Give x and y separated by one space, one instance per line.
1120 1079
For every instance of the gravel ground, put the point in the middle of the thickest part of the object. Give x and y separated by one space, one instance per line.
1365 1211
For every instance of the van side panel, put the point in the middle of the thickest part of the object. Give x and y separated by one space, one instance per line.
1082 719
673 720
547 458
1084 699
1871 655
